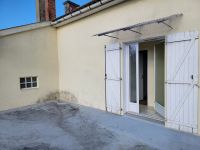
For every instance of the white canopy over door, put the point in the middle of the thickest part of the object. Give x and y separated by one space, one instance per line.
182 81
113 78
131 76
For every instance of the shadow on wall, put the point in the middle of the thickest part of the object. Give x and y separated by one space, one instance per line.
59 96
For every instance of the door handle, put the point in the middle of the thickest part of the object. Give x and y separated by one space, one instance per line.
192 77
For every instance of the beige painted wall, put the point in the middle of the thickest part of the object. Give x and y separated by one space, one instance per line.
30 53
81 55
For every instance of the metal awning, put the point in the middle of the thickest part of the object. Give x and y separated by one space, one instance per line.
131 28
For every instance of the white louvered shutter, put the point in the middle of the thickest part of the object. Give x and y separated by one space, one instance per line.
113 78
182 81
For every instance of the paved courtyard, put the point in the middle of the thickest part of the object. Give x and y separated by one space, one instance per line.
62 126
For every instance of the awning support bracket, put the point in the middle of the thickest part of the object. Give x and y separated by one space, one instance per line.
111 36
134 31
130 28
166 24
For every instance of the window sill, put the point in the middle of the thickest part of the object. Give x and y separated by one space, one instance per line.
32 88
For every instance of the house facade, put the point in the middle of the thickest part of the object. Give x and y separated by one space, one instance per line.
113 55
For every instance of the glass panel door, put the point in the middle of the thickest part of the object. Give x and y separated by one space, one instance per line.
132 73
132 77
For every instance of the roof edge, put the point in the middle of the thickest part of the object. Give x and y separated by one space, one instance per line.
79 8
84 12
23 28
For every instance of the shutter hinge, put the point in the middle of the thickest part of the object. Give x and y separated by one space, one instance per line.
105 76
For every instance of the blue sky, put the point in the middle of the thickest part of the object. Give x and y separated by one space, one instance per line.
20 12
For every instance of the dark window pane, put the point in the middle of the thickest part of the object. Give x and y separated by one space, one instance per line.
35 84
28 85
22 80
34 79
22 86
28 79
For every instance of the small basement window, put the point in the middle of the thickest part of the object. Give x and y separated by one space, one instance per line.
28 82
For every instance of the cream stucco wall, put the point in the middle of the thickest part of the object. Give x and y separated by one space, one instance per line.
30 53
81 55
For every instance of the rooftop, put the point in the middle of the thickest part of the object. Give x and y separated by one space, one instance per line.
70 2
79 8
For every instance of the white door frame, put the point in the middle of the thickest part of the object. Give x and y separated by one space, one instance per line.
130 106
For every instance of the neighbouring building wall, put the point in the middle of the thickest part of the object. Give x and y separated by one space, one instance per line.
30 53
45 10
81 55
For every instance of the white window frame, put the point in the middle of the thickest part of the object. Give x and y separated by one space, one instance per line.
31 82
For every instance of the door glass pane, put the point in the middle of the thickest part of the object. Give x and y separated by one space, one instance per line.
132 61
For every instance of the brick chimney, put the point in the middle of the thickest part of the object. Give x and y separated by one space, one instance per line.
70 6
45 10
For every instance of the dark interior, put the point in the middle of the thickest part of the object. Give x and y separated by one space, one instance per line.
143 54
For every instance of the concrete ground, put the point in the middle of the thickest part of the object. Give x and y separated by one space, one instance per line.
62 126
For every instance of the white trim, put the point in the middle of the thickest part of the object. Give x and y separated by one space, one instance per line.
165 78
126 77
154 65
23 28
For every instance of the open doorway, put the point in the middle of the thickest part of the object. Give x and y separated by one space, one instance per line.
144 79
151 79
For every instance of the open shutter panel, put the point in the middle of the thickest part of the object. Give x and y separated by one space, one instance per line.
182 81
113 78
